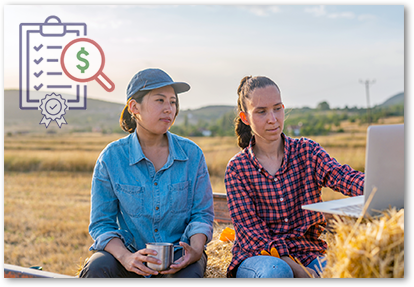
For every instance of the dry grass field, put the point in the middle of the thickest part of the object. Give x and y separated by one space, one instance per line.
47 189
46 217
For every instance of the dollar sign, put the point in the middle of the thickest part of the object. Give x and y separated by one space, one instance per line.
78 55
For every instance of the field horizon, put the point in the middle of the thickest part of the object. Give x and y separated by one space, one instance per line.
47 189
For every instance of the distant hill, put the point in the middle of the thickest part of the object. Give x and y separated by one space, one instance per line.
99 116
394 100
102 116
207 114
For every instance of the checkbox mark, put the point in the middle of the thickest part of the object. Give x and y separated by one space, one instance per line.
53 107
38 74
38 61
38 87
38 47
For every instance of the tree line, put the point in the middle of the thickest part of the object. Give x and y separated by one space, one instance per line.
298 122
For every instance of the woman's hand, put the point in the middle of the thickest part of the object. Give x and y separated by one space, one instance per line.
192 253
134 262
299 271
190 256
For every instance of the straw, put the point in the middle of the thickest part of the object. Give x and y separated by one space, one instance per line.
369 248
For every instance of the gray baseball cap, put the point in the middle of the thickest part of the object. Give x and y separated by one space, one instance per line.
150 79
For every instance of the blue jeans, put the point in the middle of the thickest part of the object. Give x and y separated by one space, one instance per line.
271 267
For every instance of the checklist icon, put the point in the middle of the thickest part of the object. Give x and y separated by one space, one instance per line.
57 59
41 45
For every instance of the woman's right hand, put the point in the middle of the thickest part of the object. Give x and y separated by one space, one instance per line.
300 271
134 262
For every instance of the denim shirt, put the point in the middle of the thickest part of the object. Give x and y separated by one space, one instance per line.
133 202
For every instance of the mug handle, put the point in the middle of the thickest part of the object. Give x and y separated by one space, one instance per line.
173 251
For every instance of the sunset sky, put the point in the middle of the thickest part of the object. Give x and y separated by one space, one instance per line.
313 52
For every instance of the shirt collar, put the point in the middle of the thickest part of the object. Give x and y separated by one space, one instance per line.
253 158
176 152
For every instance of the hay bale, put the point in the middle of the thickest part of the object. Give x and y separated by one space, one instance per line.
219 254
367 248
357 248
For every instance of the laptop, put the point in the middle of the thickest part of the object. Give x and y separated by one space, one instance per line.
384 176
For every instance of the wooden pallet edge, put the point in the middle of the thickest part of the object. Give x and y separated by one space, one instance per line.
13 271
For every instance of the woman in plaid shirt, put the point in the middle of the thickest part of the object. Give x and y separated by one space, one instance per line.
268 182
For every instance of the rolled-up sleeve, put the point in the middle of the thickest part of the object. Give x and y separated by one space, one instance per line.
202 214
104 210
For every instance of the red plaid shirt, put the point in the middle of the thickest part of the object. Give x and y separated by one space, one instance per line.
266 210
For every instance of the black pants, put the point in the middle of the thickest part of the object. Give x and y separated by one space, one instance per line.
104 265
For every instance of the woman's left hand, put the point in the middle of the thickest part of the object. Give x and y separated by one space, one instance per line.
190 256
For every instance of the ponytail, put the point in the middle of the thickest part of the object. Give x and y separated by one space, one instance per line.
243 132
127 119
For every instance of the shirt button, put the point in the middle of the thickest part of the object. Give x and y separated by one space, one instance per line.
281 199
156 230
286 220
259 170
155 183
157 208
275 179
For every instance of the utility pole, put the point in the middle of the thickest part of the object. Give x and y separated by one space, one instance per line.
367 83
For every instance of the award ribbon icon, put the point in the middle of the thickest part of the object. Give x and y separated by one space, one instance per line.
53 108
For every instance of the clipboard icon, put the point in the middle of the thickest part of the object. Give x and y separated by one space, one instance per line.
40 72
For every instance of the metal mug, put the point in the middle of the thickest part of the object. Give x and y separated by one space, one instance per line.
165 253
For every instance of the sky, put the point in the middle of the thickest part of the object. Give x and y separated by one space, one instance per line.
313 52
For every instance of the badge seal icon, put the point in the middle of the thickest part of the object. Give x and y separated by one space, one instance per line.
53 108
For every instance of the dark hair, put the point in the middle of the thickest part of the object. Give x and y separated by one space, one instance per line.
127 120
247 86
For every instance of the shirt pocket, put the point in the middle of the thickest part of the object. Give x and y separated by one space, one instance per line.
131 199
179 197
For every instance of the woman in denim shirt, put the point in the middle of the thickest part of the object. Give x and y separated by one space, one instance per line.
150 186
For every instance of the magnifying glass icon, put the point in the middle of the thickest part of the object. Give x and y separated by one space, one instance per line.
83 60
